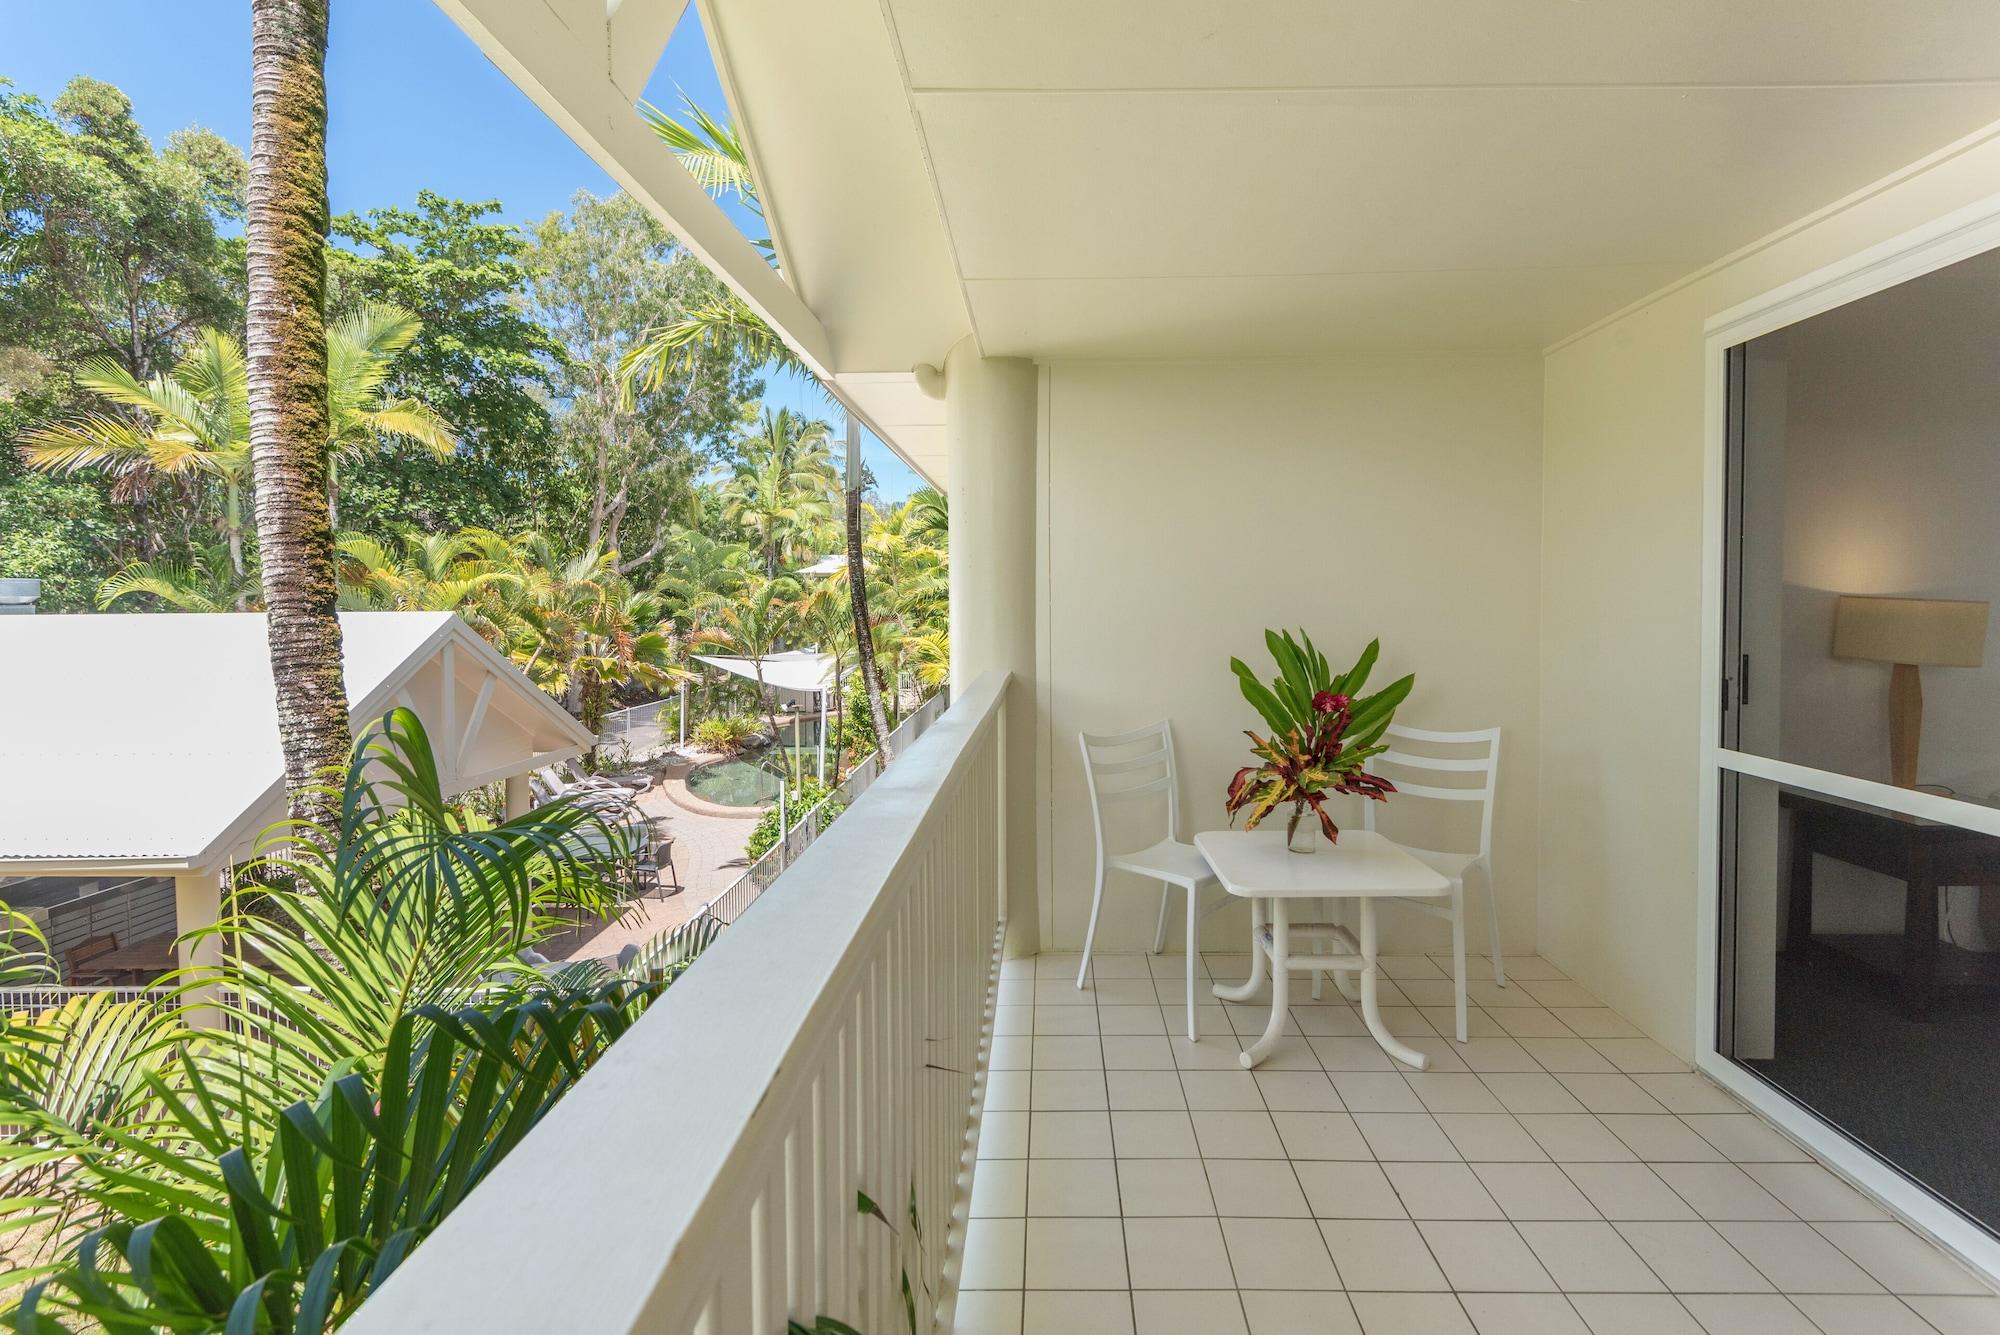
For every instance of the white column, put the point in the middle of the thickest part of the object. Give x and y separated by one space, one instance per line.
991 413
198 903
520 797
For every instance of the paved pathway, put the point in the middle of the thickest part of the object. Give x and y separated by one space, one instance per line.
708 853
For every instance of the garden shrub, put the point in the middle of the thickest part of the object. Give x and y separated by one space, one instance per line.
800 800
725 736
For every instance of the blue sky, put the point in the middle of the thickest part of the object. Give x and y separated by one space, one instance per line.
412 104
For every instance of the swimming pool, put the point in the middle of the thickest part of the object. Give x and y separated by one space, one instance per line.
745 781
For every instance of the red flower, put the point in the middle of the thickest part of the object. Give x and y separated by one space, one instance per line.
1326 702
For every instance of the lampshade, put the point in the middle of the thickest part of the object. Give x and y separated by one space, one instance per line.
1925 632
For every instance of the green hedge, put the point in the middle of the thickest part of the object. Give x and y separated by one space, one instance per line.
797 803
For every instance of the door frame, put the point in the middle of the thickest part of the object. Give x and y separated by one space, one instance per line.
1944 241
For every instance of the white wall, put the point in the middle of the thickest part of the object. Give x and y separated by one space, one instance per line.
1188 506
1622 505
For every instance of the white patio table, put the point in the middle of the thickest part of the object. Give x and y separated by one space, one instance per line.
1362 866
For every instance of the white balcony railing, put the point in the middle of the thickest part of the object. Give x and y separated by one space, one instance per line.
705 1177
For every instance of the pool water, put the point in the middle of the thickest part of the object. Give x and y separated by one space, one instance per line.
742 782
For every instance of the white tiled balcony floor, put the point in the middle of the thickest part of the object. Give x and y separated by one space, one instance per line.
1560 1174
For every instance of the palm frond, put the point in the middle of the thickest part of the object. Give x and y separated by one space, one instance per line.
710 150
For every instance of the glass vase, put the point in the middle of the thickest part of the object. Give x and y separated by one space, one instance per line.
1302 829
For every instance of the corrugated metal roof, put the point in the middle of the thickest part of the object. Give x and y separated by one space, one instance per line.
147 737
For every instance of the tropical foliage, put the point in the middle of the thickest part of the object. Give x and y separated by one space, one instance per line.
262 1148
490 449
725 735
193 422
1323 731
495 422
807 796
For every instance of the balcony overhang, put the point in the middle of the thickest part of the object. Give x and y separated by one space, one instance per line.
1168 180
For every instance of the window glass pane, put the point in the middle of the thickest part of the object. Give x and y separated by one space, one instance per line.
1859 957
1865 526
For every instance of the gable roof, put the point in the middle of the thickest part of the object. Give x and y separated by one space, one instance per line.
149 741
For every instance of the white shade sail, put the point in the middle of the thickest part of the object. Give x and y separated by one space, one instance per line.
793 670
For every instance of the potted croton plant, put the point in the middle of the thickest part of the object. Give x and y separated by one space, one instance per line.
1323 730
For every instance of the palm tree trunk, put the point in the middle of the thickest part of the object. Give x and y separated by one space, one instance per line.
771 714
864 638
838 713
285 320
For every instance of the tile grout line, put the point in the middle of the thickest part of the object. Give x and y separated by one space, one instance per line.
1566 1168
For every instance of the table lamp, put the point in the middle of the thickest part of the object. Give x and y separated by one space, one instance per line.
1912 634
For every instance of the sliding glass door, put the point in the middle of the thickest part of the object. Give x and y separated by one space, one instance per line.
1858 968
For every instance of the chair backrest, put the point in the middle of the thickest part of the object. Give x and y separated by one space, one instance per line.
1480 757
1140 767
79 957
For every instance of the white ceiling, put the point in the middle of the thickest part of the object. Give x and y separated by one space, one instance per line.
1192 178
1161 180
1165 177
1170 45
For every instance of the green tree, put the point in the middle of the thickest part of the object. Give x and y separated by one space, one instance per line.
194 421
110 248
480 359
783 488
57 530
207 583
826 618
191 422
425 572
602 275
714 155
363 348
753 626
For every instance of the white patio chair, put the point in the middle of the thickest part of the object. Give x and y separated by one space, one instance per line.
1483 763
1144 774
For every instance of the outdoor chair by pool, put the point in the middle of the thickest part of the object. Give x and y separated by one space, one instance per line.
646 872
1140 767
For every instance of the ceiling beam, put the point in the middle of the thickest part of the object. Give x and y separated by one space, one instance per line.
638 32
569 76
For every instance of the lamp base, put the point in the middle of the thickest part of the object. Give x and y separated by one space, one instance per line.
1906 723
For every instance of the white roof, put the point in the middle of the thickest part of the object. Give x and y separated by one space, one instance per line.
149 741
826 565
793 670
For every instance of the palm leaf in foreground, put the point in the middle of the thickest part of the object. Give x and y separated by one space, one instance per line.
353 1179
141 1142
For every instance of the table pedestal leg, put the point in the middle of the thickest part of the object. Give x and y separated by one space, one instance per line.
1349 986
1248 988
1281 978
1370 1012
